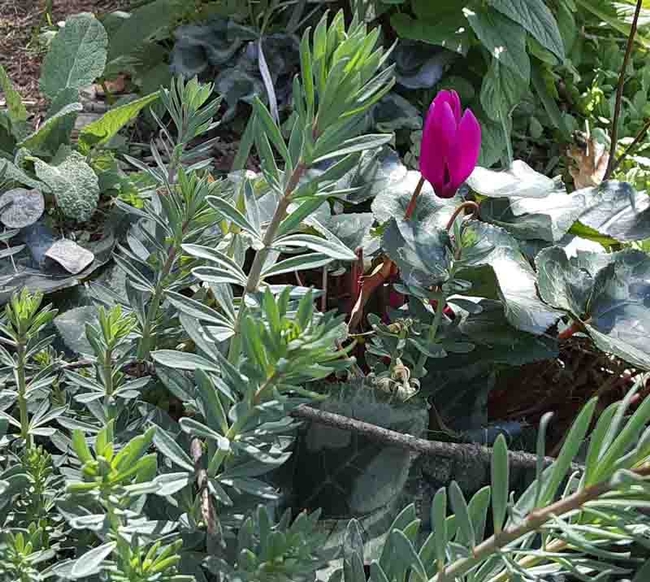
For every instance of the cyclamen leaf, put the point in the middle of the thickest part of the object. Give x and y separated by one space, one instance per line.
100 132
77 55
520 180
537 19
74 184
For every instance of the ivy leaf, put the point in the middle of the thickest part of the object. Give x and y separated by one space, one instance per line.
618 211
100 132
77 55
504 39
607 292
537 19
74 184
515 282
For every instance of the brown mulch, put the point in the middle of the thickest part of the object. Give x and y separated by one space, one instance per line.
21 22
563 386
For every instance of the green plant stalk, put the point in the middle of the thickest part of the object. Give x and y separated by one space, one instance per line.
528 562
145 344
433 330
255 272
21 385
107 368
533 522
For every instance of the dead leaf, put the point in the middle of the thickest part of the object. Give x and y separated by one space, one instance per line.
589 161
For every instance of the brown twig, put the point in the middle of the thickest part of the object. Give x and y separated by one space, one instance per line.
208 512
619 90
639 137
458 451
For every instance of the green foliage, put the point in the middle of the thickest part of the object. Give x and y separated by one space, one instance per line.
73 183
516 37
76 57
142 452
575 522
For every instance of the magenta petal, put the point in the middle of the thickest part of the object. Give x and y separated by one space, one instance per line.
450 97
464 152
446 191
431 162
445 126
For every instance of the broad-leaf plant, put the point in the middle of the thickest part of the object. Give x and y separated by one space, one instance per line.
159 450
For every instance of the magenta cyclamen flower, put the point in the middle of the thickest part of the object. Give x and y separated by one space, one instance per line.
451 142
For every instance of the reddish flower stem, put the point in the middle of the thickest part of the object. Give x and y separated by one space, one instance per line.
469 204
575 327
410 209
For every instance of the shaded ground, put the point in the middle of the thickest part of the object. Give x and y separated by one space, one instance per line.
22 21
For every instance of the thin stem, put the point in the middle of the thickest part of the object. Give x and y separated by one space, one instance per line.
469 204
528 562
208 512
619 90
639 137
533 522
107 369
144 347
255 273
21 385
433 330
410 209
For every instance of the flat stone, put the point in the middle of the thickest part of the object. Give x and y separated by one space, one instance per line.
71 256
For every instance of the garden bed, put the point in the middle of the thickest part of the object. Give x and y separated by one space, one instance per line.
259 263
